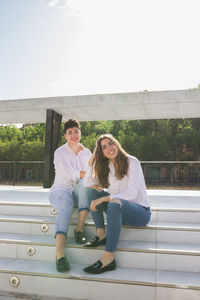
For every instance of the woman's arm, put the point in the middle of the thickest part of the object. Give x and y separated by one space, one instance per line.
89 179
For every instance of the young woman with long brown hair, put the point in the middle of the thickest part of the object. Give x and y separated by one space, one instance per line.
117 187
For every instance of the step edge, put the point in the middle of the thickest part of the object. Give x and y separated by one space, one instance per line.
47 205
148 227
77 277
106 280
120 249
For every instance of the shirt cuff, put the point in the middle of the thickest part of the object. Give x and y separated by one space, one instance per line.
112 196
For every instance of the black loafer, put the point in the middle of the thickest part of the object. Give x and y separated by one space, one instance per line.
80 237
97 267
95 242
62 264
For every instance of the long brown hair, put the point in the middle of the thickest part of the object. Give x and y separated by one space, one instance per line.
101 163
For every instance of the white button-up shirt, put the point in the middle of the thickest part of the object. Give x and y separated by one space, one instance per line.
68 166
132 187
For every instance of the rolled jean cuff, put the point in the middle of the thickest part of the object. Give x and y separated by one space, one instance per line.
84 208
61 232
110 249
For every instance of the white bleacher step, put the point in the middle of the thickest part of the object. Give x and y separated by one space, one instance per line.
182 215
159 232
25 208
27 219
161 214
42 278
154 231
123 245
51 220
162 256
29 208
27 224
79 255
174 198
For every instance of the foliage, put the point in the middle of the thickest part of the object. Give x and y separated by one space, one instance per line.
177 139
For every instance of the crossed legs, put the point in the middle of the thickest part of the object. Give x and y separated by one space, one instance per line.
117 210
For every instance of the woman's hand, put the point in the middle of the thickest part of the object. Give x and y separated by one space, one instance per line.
81 147
95 203
96 187
82 174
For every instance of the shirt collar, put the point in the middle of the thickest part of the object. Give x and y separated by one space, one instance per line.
69 149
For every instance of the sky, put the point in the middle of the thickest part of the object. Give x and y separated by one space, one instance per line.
77 47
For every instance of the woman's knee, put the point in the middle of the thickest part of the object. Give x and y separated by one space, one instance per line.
116 201
65 205
114 206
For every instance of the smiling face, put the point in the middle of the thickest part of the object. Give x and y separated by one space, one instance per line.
73 136
109 149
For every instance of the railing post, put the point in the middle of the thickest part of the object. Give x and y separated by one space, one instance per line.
53 123
14 172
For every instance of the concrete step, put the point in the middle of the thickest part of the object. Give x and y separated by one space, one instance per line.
130 254
43 209
158 262
41 278
161 214
124 245
182 215
174 198
26 208
158 198
154 231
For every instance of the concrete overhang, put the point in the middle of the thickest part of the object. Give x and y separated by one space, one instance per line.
123 106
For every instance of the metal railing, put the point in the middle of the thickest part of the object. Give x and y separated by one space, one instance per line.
173 173
156 173
21 172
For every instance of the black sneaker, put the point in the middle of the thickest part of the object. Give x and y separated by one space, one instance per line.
80 237
95 242
62 264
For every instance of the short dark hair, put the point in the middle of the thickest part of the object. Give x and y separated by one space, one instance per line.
71 123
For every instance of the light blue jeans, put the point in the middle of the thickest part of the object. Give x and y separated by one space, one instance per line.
128 213
64 201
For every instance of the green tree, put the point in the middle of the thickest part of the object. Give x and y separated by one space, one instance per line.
32 151
10 132
177 139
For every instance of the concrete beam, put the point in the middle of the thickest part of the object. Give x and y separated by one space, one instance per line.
124 106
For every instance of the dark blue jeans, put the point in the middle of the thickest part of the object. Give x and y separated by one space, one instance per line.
128 213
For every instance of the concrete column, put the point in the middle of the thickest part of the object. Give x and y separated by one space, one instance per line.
53 123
